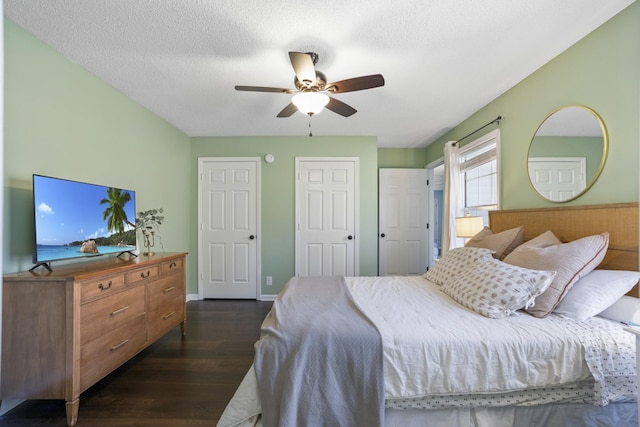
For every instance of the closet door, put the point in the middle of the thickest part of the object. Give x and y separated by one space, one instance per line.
403 222
326 217
229 221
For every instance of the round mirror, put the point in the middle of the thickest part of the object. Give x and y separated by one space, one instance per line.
567 153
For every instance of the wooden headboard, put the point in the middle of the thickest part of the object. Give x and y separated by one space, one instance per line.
573 222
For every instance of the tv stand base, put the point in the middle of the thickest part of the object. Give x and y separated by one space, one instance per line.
46 265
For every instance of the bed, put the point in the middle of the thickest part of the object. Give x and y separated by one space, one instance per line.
449 348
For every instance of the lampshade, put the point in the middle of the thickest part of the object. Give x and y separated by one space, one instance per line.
468 226
310 103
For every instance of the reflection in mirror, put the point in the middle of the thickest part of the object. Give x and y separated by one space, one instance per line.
567 153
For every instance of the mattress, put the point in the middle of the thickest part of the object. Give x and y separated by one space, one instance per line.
436 350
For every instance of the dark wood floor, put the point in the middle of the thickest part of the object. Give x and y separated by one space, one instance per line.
175 382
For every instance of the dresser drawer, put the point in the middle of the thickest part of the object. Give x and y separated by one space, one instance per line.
102 355
100 287
142 274
103 315
165 305
163 318
165 288
172 266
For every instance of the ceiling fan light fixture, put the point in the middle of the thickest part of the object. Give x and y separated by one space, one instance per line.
310 103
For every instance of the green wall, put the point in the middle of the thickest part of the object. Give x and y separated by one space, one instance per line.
61 120
402 157
602 71
278 184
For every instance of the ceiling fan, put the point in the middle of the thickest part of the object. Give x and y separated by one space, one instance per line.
312 92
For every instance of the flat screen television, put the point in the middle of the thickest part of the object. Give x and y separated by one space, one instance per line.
78 219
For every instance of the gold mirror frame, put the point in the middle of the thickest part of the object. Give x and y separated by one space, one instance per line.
565 123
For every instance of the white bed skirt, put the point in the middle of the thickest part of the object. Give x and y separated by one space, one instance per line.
615 414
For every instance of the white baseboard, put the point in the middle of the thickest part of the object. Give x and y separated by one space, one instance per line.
8 405
192 297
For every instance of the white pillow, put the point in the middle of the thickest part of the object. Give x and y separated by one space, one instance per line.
596 292
626 309
496 289
454 261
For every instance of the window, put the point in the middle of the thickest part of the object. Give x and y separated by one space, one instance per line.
479 190
479 175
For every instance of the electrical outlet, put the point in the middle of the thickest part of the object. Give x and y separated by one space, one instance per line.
269 281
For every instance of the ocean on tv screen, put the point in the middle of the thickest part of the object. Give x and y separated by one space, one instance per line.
46 252
78 219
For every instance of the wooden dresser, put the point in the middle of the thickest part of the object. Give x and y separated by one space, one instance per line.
63 331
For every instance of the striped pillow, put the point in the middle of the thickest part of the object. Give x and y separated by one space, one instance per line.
571 260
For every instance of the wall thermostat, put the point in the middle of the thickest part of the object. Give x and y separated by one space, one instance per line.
269 158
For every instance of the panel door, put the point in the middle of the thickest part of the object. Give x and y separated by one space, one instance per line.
229 228
559 178
326 218
403 218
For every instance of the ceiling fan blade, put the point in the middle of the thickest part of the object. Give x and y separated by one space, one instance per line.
356 83
302 64
264 89
288 110
340 107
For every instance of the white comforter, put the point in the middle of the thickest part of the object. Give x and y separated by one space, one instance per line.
457 351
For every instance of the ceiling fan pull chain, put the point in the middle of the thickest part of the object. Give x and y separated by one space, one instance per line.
310 134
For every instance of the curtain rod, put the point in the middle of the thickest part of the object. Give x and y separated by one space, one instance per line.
496 120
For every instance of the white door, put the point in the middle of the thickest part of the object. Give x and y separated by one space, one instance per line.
403 222
558 178
326 217
229 235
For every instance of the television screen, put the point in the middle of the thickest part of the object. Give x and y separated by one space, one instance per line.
77 219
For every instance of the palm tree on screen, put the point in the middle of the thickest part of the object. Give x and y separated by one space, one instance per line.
114 214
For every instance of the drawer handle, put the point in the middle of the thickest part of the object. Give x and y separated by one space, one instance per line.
120 310
169 289
145 276
103 287
168 315
172 265
120 344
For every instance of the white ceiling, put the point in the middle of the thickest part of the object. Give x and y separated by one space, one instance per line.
442 59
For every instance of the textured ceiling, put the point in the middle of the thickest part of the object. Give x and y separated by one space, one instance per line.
442 59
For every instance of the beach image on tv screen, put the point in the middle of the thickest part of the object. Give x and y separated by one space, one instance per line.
76 219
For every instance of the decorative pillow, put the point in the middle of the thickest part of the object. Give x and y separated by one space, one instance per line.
626 309
542 241
596 292
454 261
502 243
570 260
496 289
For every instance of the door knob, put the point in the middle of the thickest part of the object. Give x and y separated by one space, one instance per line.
350 237
382 235
252 237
